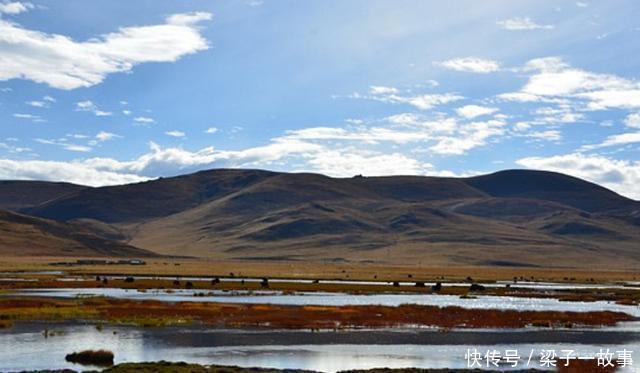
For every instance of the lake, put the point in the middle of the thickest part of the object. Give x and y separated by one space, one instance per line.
25 347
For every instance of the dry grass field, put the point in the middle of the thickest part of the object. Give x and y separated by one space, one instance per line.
322 270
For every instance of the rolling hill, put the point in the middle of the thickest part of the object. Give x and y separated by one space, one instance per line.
19 194
30 236
520 217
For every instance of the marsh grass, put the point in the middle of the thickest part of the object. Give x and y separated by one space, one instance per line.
102 358
5 324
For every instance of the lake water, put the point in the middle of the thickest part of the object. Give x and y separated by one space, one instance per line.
340 299
25 347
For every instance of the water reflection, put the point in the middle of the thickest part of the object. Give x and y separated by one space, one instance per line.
25 347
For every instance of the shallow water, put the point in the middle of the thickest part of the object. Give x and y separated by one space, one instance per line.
25 347
341 299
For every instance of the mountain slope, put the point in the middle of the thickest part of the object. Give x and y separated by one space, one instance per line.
146 200
25 235
20 194
549 186
517 216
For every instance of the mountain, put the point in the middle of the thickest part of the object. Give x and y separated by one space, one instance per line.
147 200
549 186
30 236
517 217
20 194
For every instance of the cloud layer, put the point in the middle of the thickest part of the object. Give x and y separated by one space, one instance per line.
63 63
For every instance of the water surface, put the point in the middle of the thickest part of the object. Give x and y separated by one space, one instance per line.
339 299
25 347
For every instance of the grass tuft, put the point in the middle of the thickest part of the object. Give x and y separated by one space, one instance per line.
102 358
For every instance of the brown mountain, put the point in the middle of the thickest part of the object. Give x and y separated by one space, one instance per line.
19 194
515 217
30 236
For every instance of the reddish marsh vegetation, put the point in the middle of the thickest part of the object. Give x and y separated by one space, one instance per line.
156 313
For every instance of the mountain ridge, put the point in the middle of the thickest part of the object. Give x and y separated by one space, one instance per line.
517 216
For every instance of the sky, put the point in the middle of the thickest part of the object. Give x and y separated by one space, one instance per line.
106 92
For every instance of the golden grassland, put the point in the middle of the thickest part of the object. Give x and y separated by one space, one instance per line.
322 270
157 313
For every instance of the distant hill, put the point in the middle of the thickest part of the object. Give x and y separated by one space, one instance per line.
522 217
550 186
20 194
25 235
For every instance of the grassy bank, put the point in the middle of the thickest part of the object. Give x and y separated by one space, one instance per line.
157 313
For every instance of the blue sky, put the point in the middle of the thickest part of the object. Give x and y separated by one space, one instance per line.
110 92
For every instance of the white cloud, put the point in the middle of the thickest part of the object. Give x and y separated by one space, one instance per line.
381 90
469 136
126 112
403 118
64 63
301 154
31 117
522 23
144 120
211 130
77 136
582 4
471 64
76 148
350 162
189 19
106 136
614 140
64 144
44 103
428 101
556 115
547 64
518 97
12 149
549 135
422 101
38 104
613 98
632 120
15 7
91 107
175 133
554 81
444 136
621 176
472 111
74 172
